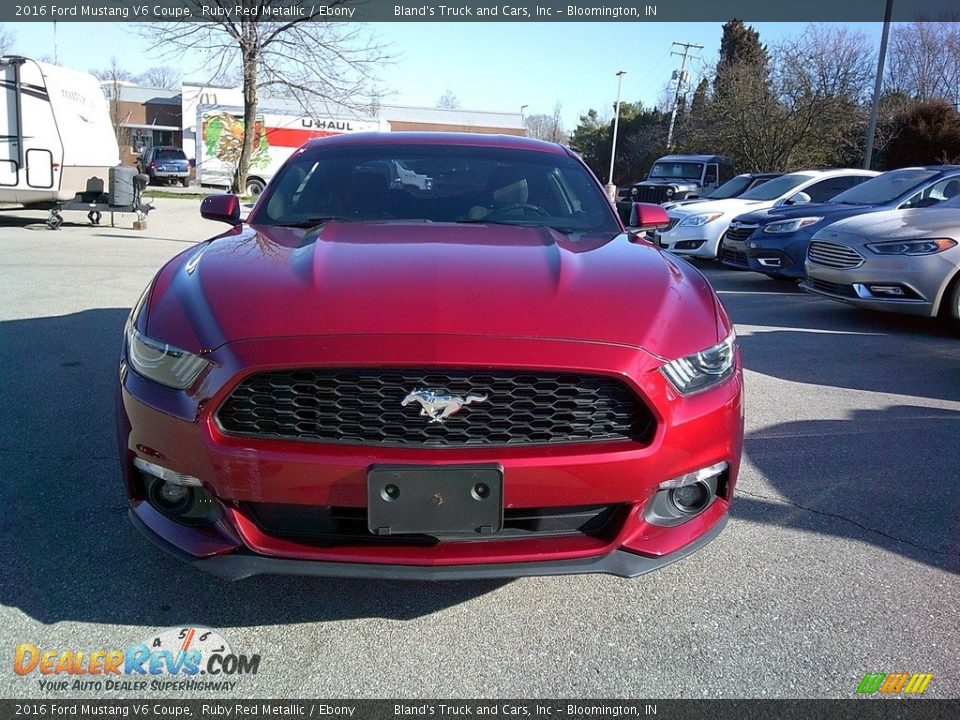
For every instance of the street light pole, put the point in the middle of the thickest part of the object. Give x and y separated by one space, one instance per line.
611 188
523 124
878 86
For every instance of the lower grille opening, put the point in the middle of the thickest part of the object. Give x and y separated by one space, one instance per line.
321 525
734 257
832 288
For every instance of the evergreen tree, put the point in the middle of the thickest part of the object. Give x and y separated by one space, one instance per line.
740 51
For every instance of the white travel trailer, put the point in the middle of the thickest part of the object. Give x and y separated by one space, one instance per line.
55 133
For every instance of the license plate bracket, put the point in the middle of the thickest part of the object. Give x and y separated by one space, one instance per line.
440 500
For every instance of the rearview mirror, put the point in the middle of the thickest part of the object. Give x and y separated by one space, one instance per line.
222 208
647 216
801 198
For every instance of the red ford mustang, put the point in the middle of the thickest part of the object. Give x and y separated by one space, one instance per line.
429 356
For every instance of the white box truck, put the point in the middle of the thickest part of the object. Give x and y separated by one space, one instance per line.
55 134
277 135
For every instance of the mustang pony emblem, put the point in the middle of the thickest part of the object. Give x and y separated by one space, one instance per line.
439 407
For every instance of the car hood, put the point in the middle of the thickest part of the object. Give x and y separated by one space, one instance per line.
425 278
787 212
692 182
896 225
730 206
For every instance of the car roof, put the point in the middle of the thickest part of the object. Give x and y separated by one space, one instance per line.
506 142
693 158
835 172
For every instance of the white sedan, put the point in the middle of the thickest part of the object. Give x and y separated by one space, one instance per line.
696 230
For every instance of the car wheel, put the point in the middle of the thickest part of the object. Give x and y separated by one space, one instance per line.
254 186
185 182
950 306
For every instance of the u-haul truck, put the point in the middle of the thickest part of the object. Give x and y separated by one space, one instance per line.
220 135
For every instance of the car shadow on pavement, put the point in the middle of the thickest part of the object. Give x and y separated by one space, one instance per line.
68 551
913 360
886 477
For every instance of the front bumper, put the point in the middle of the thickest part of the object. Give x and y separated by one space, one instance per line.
243 563
178 431
702 242
922 280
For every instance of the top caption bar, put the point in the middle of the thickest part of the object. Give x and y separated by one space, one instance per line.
485 11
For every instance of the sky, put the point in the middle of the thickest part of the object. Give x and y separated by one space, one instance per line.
488 66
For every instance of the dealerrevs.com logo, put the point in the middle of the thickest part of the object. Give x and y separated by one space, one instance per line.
175 659
894 683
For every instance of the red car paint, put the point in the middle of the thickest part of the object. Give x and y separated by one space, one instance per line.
410 294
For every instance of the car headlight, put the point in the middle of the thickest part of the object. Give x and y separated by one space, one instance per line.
704 369
161 362
912 247
791 226
699 220
670 192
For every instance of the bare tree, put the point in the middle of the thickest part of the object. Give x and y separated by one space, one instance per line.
7 40
924 60
112 79
323 65
448 100
547 127
808 110
162 76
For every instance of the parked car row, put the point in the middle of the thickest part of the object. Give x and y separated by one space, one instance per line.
882 241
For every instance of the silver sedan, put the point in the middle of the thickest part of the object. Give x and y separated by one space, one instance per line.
905 261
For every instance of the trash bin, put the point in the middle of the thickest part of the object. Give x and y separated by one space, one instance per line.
121 185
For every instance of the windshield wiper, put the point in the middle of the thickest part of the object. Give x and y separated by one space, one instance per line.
487 221
313 222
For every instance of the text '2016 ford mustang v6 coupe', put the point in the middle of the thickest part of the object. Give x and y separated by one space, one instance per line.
477 376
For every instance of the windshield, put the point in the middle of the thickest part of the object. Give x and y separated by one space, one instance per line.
171 154
436 183
731 188
682 170
884 188
776 188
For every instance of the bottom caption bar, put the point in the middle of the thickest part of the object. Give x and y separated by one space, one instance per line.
922 709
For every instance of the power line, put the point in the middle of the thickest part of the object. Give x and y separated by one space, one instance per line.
681 78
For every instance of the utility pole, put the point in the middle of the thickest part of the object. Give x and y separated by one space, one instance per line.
878 86
611 188
680 80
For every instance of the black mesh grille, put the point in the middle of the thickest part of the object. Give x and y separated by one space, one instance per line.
332 525
650 193
364 407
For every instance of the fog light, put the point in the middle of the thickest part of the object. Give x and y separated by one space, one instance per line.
187 505
681 498
173 494
691 499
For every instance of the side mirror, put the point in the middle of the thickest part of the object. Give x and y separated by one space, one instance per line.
222 208
647 216
801 198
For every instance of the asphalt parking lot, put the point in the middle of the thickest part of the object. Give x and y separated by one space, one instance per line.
842 556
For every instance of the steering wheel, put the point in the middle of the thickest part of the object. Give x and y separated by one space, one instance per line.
525 207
